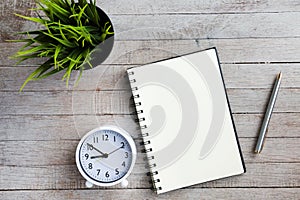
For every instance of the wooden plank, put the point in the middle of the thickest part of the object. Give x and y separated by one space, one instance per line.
184 26
260 75
230 50
61 152
130 27
244 100
109 77
172 6
50 127
264 50
281 125
191 26
67 177
11 24
104 77
186 193
205 26
17 6
194 6
119 102
35 128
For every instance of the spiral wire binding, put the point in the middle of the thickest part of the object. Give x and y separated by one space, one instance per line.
146 143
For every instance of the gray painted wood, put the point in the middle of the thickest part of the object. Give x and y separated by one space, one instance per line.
109 77
188 193
174 6
207 26
194 6
118 102
187 26
40 128
49 127
61 152
67 177
246 50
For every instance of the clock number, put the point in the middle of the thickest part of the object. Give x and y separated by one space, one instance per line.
117 171
105 137
90 147
98 170
126 154
123 163
90 166
107 174
123 145
86 156
114 138
96 140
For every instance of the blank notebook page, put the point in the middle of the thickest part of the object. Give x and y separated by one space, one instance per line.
185 119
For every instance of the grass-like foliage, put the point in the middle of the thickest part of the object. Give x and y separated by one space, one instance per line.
71 30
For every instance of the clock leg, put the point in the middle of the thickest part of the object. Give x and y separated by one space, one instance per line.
88 184
124 183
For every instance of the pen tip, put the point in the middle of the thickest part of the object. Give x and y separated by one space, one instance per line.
256 151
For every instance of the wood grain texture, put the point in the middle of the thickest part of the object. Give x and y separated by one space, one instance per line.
203 193
62 152
209 194
118 102
40 128
174 6
9 23
69 127
67 177
267 50
113 77
195 6
204 26
230 50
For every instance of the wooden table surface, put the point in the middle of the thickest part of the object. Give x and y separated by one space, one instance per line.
256 39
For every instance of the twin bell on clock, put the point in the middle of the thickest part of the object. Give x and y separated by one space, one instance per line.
105 156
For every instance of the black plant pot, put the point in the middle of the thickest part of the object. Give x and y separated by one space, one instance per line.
102 50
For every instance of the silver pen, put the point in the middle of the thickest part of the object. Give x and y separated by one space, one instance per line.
268 114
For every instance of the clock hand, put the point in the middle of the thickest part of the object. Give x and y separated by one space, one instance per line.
96 149
115 150
101 156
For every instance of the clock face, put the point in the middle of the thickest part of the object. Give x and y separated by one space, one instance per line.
105 156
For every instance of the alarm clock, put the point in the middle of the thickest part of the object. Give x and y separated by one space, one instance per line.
105 156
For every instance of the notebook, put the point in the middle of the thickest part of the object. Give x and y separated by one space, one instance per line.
185 120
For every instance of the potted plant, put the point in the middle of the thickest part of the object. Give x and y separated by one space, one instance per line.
72 33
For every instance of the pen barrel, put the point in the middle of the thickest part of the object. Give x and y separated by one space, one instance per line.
268 114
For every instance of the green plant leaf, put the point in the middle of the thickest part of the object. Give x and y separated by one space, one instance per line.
33 76
57 51
62 41
79 77
54 71
72 30
31 50
34 19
